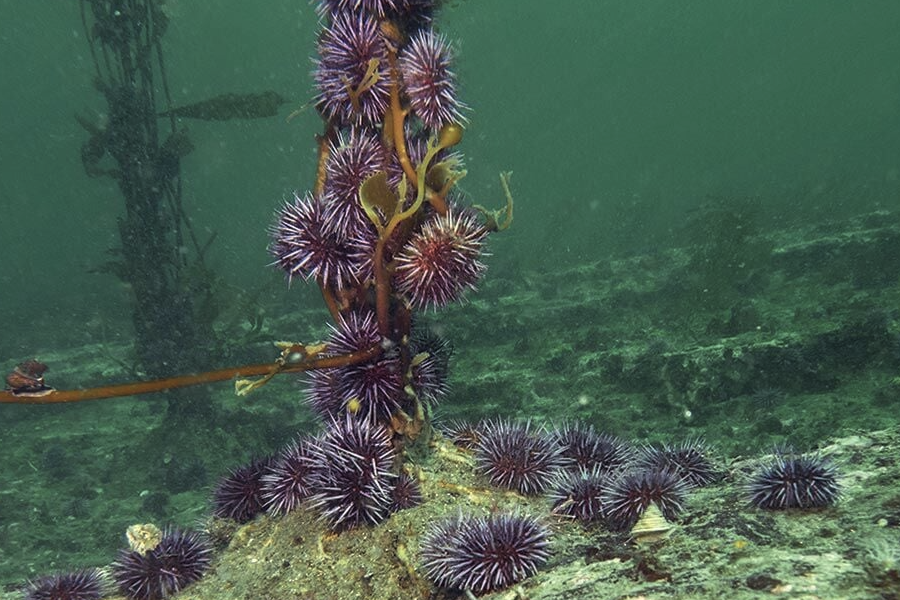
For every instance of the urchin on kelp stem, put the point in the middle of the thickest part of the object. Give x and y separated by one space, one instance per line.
384 218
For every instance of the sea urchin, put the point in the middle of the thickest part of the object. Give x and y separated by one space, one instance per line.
794 481
689 460
630 494
352 70
353 481
484 554
406 493
238 495
84 584
441 261
518 457
287 481
589 449
428 80
306 243
179 559
579 494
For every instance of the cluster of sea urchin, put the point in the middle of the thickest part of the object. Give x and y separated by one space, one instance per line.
383 232
589 476
347 474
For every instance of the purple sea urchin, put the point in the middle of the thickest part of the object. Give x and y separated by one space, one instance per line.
689 460
377 8
356 331
579 494
352 70
517 457
794 481
441 260
287 481
588 449
238 496
374 387
406 493
430 366
462 433
351 160
484 554
429 81
307 243
180 559
84 584
353 482
628 496
323 394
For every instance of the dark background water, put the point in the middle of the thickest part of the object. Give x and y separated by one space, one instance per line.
616 117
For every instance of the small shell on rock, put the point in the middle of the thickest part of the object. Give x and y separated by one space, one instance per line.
144 537
651 527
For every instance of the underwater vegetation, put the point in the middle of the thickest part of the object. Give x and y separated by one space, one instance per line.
881 561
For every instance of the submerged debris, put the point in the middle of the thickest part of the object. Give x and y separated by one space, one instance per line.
231 106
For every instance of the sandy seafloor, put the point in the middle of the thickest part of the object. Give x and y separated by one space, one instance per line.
797 344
